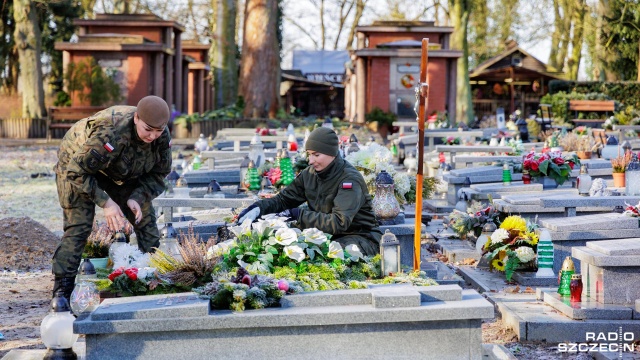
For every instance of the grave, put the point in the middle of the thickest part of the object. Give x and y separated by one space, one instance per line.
380 323
477 175
568 233
535 203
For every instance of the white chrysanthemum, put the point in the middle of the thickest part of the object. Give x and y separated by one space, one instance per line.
401 183
146 272
314 236
129 256
525 254
499 235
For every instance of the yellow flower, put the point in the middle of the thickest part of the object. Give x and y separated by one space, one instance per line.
531 238
498 264
514 222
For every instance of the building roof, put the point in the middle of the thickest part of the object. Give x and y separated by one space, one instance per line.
320 61
503 61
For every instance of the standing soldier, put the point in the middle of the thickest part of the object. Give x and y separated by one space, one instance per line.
116 159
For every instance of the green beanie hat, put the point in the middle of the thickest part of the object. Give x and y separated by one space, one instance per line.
324 141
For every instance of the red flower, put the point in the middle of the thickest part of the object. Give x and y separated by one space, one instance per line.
246 280
558 161
117 272
132 273
534 166
571 165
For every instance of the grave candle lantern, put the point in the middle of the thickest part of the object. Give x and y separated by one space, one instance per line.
385 204
389 254
506 175
85 296
119 239
576 288
56 330
568 269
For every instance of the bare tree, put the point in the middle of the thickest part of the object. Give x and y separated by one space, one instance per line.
360 6
260 65
27 38
345 10
459 12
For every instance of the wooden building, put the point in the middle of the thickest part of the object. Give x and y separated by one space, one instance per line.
385 68
511 80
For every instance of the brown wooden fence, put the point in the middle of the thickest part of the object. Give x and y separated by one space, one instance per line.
23 128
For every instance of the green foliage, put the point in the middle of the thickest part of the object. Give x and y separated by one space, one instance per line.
62 99
560 105
382 117
621 37
473 219
626 92
92 83
428 188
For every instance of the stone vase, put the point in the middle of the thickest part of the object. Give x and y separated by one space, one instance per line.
547 182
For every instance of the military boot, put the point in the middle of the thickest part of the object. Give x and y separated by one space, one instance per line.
65 285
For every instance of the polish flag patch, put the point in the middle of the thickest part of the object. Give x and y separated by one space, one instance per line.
170 142
347 185
109 147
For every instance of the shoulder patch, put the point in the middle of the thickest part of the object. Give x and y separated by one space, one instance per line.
109 147
347 185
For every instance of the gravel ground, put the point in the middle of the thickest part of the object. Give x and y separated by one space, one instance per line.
27 190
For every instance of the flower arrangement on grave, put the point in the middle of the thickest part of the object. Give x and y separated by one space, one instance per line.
450 140
581 130
513 245
619 163
373 158
632 210
551 164
265 131
473 219
517 147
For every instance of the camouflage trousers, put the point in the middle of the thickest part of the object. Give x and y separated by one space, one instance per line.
78 213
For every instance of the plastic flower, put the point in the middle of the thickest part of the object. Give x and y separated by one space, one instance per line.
285 236
294 252
260 226
127 256
499 236
498 264
314 236
243 229
531 238
274 221
514 222
525 254
146 272
354 251
335 250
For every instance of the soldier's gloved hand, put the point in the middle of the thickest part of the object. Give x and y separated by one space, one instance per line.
251 212
135 209
290 214
113 214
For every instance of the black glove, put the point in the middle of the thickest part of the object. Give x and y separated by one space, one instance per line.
290 214
249 213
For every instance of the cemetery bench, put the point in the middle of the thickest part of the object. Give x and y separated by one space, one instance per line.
545 116
65 117
570 203
605 106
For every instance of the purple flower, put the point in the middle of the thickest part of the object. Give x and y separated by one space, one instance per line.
283 285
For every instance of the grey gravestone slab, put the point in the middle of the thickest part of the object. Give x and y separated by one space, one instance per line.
587 308
438 206
591 201
597 164
442 329
620 247
530 279
533 198
152 307
599 259
430 269
475 171
400 297
328 298
594 234
504 206
500 188
607 221
636 311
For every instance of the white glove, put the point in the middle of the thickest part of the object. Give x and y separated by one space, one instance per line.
253 215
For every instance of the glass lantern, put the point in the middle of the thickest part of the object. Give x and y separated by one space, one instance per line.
256 150
56 330
119 239
85 296
214 190
385 204
169 242
487 230
632 178
389 254
584 181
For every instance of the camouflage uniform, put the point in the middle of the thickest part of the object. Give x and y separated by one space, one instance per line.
339 204
101 157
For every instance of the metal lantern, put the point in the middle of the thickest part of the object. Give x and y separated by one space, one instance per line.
256 150
169 242
385 204
56 330
214 190
389 254
353 144
85 296
401 152
522 129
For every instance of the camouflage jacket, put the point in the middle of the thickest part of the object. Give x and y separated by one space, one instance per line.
338 199
107 145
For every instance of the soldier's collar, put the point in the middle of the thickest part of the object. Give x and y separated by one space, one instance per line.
332 170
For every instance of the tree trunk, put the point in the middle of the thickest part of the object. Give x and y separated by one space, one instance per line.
578 38
224 68
479 26
260 66
323 33
508 18
27 38
459 10
555 37
122 6
360 5
565 37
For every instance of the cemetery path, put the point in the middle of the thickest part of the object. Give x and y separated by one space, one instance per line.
30 226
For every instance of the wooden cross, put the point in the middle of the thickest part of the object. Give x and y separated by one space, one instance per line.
422 100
